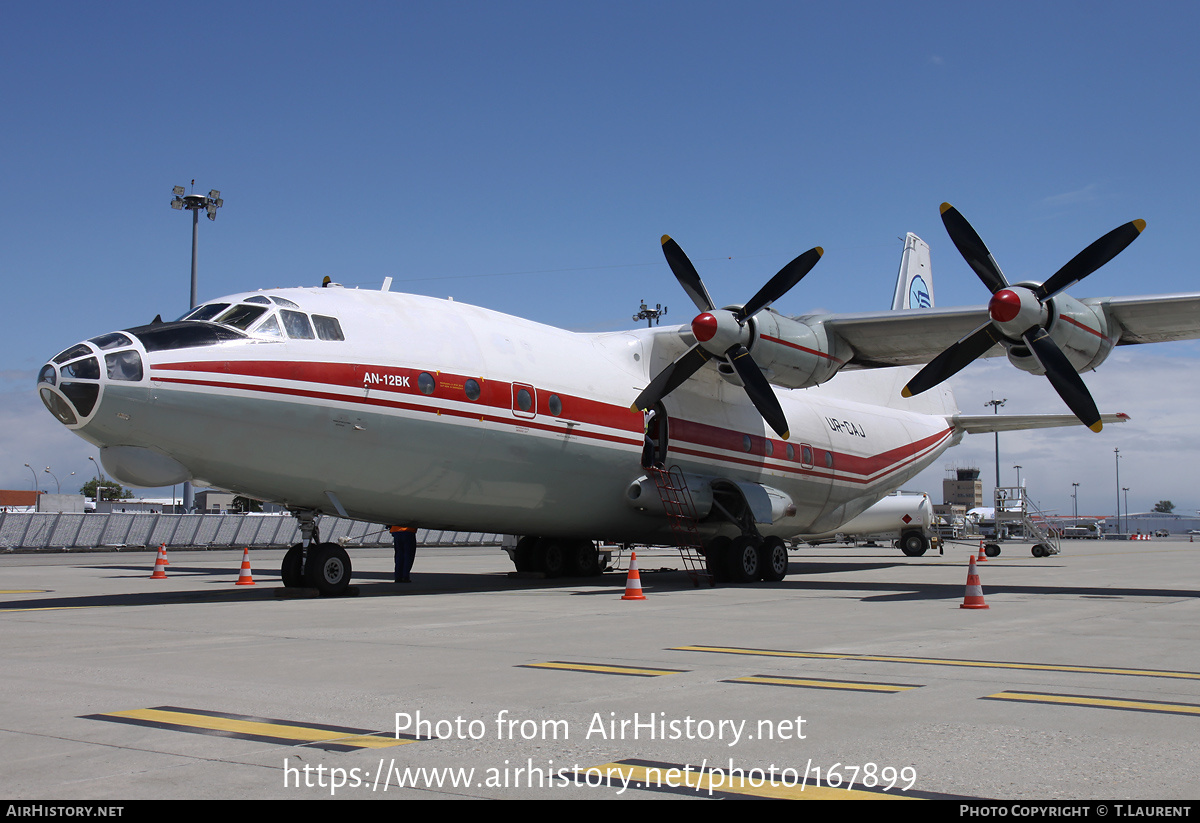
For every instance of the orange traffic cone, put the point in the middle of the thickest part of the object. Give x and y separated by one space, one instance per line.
163 548
982 558
160 563
633 583
245 579
974 595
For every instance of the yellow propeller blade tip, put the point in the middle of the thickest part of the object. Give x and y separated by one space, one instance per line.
666 238
634 408
904 392
1140 225
1097 426
786 435
820 251
945 208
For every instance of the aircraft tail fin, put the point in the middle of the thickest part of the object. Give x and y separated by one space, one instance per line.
914 283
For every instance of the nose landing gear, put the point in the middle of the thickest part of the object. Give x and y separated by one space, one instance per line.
312 564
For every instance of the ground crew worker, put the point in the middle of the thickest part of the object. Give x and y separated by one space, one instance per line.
404 542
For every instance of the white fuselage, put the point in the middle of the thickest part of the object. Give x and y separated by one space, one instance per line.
447 415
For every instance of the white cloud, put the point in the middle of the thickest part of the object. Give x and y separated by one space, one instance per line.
1087 194
1160 446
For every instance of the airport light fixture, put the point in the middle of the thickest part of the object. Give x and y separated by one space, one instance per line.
996 404
1126 490
99 478
1018 468
1075 505
57 485
31 471
650 315
1117 460
195 203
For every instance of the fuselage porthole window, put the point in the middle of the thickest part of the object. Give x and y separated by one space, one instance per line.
829 460
555 405
524 400
747 443
472 388
425 382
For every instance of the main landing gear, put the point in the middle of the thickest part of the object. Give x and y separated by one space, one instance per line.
321 566
557 557
746 559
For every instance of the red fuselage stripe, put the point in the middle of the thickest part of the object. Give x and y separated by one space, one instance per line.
496 396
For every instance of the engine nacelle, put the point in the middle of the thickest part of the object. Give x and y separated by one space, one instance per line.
1083 333
795 355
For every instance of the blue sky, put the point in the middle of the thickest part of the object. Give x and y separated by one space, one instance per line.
527 156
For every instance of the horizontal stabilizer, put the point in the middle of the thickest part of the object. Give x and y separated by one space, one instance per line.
982 423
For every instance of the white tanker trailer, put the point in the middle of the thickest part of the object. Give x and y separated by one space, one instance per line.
906 518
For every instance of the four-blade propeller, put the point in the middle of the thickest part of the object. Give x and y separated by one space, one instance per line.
725 333
1020 313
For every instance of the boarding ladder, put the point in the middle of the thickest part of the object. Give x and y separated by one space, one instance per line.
681 512
1014 506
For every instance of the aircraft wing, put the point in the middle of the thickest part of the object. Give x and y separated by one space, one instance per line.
1157 318
913 337
982 423
907 337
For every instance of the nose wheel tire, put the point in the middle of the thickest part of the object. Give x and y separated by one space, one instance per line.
289 570
328 569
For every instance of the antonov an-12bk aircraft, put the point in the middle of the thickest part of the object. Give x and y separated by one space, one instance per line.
396 408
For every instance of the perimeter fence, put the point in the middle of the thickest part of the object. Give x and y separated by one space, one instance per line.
48 531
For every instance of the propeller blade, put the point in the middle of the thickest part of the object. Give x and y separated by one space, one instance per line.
971 246
672 377
686 274
1090 259
758 389
953 359
778 286
1064 378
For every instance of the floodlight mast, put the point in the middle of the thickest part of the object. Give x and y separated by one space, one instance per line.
194 203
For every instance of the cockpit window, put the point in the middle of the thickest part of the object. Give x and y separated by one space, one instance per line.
207 312
297 325
270 326
283 301
258 298
164 336
240 316
328 328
